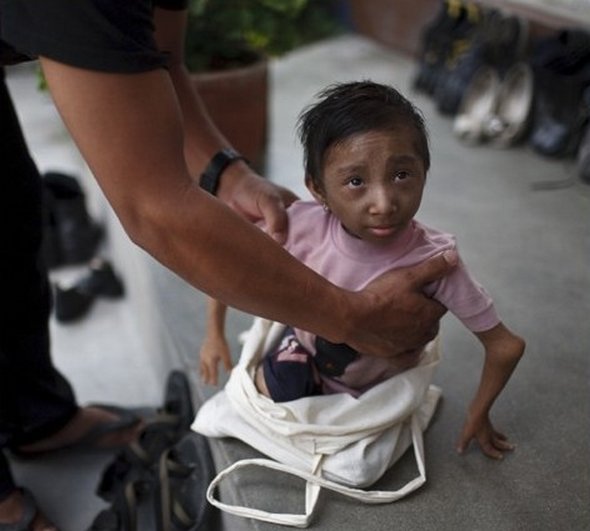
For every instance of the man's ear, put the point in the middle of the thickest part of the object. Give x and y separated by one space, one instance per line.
315 190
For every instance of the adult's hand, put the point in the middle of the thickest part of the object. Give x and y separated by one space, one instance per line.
257 199
399 318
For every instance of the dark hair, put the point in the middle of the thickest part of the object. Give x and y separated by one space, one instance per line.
346 109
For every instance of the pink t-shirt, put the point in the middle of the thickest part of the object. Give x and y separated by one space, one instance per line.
317 238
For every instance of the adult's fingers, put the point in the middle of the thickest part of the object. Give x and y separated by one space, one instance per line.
273 210
433 269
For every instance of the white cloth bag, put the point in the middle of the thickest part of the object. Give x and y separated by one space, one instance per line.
337 442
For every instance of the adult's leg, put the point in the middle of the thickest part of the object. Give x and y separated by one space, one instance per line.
35 399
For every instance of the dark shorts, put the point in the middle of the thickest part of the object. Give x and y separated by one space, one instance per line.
289 371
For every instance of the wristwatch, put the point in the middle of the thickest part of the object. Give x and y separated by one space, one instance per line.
222 159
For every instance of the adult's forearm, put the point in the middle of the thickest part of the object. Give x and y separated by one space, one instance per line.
202 139
238 264
129 130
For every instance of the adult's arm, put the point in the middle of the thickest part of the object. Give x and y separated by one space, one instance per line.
240 187
254 197
128 128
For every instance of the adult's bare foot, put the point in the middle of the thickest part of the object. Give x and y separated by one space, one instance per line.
20 508
95 426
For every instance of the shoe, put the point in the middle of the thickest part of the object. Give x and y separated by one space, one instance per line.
504 39
477 107
106 520
170 495
184 474
124 513
583 156
126 419
496 110
561 67
171 422
496 41
75 302
511 119
71 304
70 234
442 38
101 280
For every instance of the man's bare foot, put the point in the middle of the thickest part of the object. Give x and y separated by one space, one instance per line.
86 421
12 511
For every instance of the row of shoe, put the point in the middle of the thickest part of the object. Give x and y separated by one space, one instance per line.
478 66
72 237
461 39
495 109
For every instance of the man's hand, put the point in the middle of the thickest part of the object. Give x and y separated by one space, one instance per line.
398 310
257 199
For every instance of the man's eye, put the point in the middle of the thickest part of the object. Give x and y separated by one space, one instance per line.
401 175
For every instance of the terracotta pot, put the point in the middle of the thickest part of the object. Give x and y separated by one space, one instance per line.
397 24
237 100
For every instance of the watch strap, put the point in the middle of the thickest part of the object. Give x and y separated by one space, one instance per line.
209 180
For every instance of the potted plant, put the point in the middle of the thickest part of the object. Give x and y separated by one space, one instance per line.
228 45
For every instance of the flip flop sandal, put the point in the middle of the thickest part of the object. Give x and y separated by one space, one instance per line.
170 422
161 431
126 419
184 473
30 511
123 513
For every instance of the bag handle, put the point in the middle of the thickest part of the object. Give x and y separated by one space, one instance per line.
314 482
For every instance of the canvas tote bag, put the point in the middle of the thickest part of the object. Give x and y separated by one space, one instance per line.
336 442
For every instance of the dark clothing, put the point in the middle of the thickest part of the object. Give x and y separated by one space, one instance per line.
104 35
35 399
289 370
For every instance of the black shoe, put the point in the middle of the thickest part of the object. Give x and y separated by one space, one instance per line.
101 281
562 74
443 40
71 304
70 234
583 157
74 303
496 41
